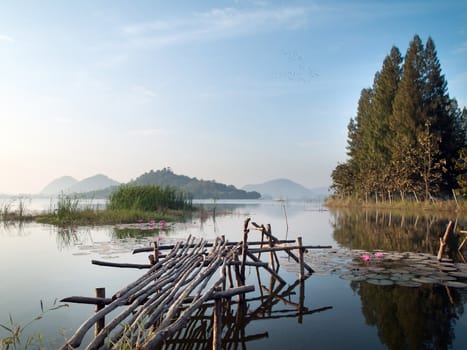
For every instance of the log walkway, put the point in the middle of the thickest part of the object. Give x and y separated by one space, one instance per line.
185 298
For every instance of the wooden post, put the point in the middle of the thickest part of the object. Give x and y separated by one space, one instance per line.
301 275
217 324
271 244
244 249
100 323
156 252
443 241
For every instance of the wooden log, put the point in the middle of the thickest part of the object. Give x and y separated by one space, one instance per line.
167 329
119 299
207 245
288 248
100 323
87 300
443 240
166 288
250 263
232 291
122 265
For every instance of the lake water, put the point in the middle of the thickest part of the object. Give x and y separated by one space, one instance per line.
43 264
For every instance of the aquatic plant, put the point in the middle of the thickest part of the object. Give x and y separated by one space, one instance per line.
16 338
149 198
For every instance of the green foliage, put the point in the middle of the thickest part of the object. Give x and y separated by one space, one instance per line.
149 198
461 166
407 133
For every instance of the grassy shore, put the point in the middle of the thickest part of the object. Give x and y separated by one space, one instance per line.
129 204
429 206
108 217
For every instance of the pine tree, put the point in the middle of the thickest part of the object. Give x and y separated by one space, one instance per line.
385 89
436 103
358 143
408 118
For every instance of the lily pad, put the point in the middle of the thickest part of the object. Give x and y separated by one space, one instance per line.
408 284
380 282
456 284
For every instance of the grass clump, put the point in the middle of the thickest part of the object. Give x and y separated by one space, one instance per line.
16 337
149 198
12 211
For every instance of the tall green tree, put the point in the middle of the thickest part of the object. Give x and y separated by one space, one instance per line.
408 118
442 114
385 88
358 146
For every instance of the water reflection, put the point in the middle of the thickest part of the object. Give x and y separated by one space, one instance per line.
412 318
385 230
406 318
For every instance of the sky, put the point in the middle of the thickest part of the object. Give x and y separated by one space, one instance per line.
240 92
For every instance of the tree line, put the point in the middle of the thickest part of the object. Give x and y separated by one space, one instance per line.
409 137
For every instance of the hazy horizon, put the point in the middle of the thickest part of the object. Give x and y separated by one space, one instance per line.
240 91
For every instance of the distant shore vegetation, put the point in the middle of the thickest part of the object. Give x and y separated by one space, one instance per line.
407 144
128 204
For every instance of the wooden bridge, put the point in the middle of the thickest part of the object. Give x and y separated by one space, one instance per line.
186 296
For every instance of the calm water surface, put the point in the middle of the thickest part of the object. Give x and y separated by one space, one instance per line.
40 263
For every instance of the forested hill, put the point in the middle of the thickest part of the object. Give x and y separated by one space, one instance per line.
200 189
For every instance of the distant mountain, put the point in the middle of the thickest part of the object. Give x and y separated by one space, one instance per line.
93 183
200 189
286 189
68 184
59 185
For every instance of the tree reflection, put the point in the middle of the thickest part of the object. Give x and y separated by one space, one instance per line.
412 318
406 318
386 230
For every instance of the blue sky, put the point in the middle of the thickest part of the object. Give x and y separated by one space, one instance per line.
239 92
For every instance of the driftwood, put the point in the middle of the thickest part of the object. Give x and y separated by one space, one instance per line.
176 291
207 245
443 240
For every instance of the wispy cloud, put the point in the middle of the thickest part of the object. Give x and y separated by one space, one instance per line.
141 90
6 38
214 24
147 132
462 48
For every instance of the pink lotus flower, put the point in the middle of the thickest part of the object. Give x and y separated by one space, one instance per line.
379 255
365 257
